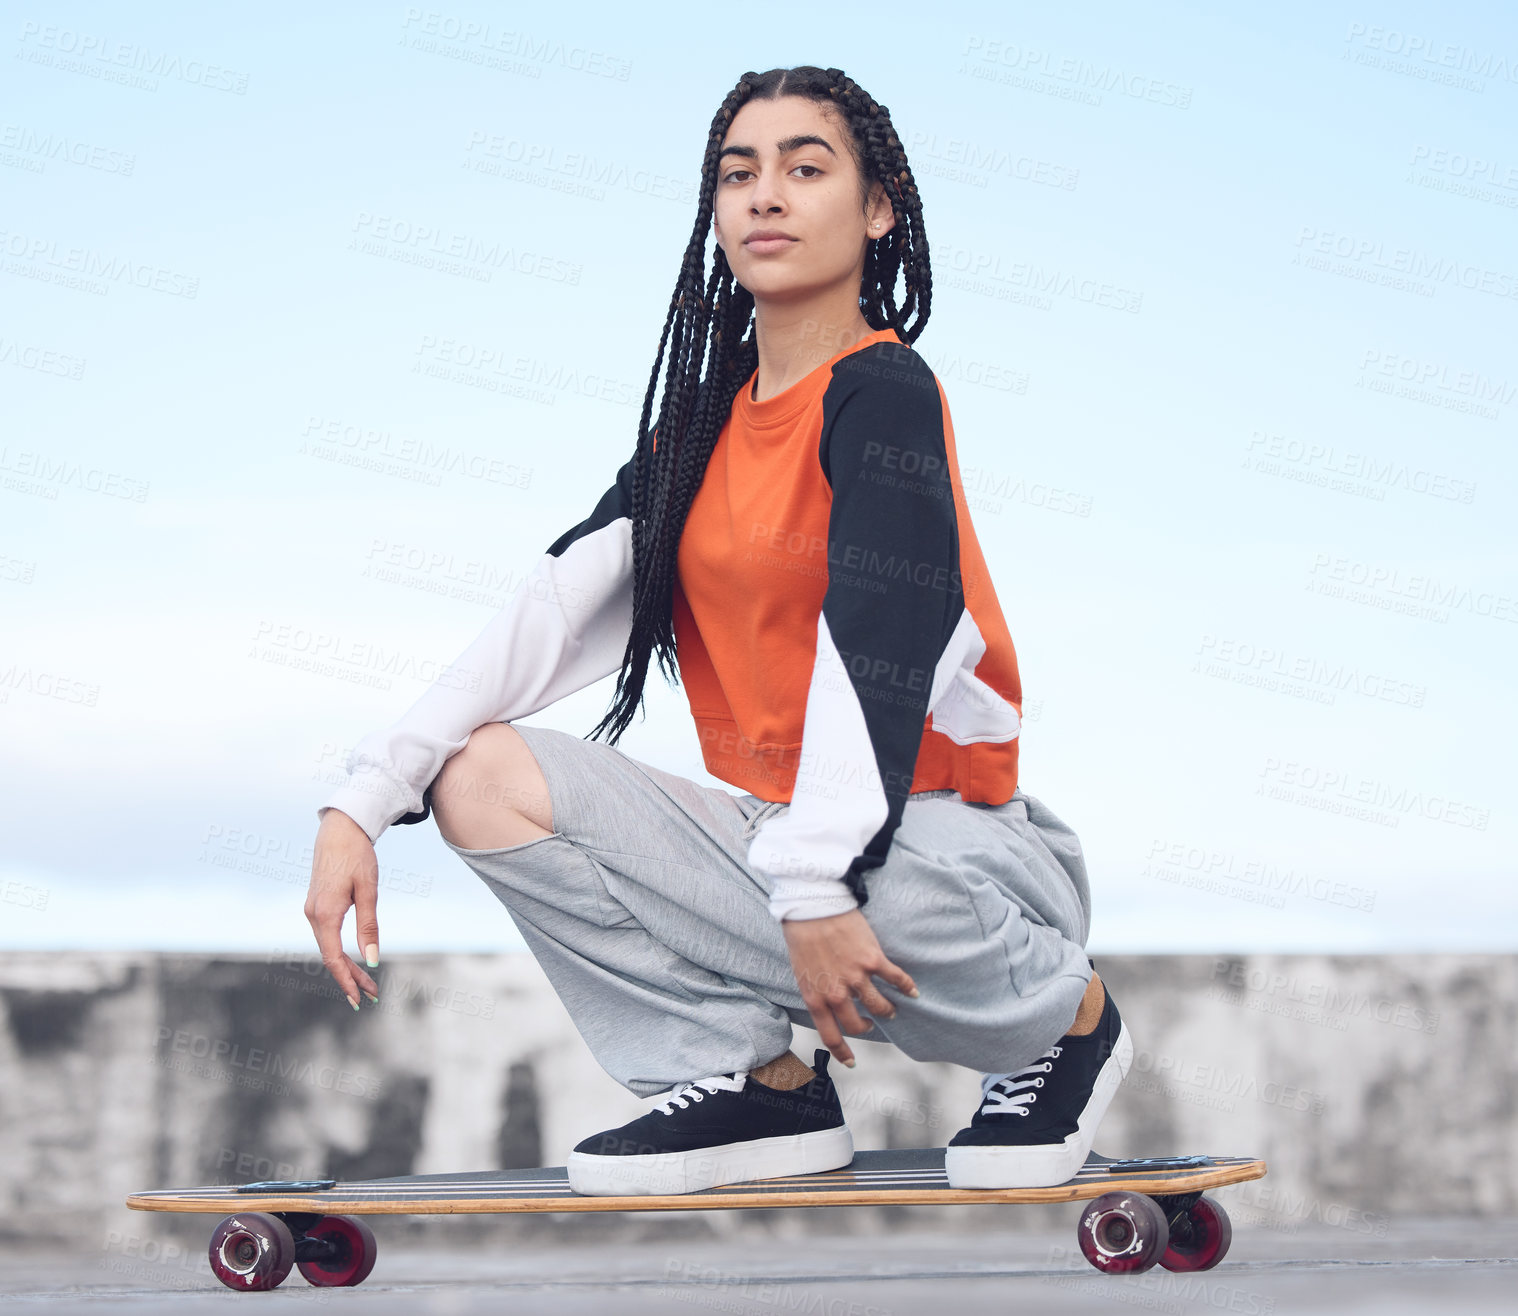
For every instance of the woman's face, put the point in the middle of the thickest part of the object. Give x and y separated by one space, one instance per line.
786 166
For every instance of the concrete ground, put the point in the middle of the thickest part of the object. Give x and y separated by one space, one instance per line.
1416 1266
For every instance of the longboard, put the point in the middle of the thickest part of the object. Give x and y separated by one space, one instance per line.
1143 1212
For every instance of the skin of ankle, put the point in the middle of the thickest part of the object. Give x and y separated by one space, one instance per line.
784 1073
1090 1013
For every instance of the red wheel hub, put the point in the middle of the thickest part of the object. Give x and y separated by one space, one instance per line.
1200 1239
252 1251
1122 1233
352 1256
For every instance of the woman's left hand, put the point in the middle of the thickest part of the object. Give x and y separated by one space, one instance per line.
836 960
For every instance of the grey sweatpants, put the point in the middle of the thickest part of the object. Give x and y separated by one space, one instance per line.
644 914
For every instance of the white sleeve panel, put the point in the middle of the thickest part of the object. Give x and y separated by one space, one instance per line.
837 805
566 626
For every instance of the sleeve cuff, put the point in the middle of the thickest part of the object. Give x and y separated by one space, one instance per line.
794 898
373 801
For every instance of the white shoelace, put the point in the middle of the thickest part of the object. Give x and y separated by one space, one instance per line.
682 1094
1012 1094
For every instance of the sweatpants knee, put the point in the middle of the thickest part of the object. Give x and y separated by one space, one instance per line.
492 792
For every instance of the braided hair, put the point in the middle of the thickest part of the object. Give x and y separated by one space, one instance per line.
693 408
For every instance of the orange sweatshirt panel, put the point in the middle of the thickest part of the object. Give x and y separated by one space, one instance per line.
754 567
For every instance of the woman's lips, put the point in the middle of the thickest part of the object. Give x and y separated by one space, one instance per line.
763 245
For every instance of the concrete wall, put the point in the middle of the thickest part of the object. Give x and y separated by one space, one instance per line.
1373 1085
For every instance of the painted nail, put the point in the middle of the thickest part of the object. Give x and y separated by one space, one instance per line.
849 1062
353 1002
371 956
372 997
913 992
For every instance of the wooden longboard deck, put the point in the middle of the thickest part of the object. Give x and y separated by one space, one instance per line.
871 1178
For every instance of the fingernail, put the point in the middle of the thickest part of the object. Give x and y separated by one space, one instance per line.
353 1001
371 956
372 997
849 1062
913 992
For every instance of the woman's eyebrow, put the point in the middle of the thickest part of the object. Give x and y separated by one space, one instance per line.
784 145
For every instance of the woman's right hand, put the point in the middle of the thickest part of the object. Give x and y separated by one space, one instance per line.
344 874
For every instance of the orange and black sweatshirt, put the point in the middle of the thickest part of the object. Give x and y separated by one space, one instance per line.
836 629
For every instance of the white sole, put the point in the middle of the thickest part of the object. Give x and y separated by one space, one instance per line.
1047 1164
673 1173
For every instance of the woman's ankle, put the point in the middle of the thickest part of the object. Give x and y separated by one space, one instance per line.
784 1073
1090 1012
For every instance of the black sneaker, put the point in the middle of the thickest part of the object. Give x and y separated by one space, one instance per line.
1035 1128
719 1130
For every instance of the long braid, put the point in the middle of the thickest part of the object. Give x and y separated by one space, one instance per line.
670 460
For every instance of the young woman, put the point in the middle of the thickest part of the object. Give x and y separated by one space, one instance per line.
792 536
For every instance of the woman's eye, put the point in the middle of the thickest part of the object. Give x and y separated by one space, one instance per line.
744 173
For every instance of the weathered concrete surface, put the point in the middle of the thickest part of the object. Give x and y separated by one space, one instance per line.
1414 1267
1375 1086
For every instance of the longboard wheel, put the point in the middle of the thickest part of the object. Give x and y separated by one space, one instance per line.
252 1250
354 1250
1123 1233
1200 1238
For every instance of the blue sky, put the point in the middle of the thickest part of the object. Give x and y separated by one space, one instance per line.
1224 306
